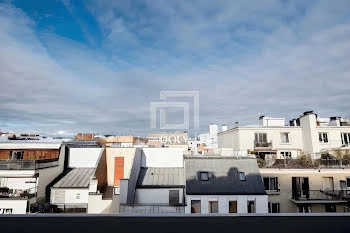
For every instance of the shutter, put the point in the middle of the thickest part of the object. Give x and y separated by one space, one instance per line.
174 197
118 170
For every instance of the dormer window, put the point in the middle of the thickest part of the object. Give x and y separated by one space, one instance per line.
242 176
204 176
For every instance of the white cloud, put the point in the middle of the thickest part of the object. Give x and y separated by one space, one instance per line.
244 57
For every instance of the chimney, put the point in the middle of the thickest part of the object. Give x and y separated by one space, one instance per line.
224 128
334 121
213 129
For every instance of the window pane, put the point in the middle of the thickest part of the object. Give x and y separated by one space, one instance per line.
242 176
232 207
273 184
251 206
325 137
267 183
213 207
195 206
275 207
204 176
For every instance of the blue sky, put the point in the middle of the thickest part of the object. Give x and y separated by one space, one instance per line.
79 66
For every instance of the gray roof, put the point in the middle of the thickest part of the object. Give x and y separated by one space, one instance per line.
161 177
223 176
76 178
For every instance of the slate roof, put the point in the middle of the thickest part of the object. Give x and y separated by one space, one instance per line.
161 177
76 178
223 176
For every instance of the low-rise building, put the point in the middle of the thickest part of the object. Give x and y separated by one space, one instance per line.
224 185
156 182
70 191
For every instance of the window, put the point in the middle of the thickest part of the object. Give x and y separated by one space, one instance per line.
323 137
77 196
232 206
271 183
330 207
204 176
174 197
345 138
261 137
6 211
348 182
251 206
286 154
327 183
304 208
16 155
242 176
195 206
342 184
274 207
284 137
213 207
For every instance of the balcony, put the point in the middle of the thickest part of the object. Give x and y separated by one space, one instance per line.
263 145
17 194
319 196
27 164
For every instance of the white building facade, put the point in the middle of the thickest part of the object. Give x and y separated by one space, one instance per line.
305 135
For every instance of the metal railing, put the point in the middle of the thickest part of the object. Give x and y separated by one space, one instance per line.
262 144
311 195
304 163
9 193
27 164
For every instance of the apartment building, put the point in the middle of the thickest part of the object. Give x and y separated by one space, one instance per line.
307 134
307 190
224 185
26 170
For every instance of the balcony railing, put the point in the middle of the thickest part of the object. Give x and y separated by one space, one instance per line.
321 195
9 193
27 164
264 145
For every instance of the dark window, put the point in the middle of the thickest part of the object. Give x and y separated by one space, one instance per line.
323 137
251 206
232 207
204 176
213 207
195 206
342 184
275 207
242 176
348 182
345 138
174 197
304 208
271 183
330 207
16 155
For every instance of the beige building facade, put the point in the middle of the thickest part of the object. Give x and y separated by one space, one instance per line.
306 190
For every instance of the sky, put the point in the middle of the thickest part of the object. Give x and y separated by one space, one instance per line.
96 65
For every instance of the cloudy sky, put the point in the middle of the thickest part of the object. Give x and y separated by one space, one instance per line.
82 66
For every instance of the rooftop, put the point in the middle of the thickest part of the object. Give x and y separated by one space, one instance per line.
161 177
223 176
76 178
